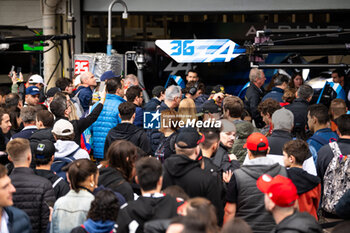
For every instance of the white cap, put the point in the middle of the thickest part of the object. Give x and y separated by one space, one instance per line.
63 128
36 79
77 81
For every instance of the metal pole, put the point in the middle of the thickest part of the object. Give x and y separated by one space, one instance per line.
124 16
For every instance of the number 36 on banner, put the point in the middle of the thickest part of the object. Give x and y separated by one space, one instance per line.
199 51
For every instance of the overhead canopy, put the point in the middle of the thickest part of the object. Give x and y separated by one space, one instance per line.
219 6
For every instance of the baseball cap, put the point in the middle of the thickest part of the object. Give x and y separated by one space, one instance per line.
52 91
257 142
36 79
63 128
279 189
107 75
32 90
210 107
217 89
44 149
189 138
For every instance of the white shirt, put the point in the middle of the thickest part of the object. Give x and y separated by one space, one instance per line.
4 222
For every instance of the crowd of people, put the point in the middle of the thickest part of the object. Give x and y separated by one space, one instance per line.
78 157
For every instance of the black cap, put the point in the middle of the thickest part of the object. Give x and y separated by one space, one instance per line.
52 91
44 149
189 138
210 107
218 89
157 90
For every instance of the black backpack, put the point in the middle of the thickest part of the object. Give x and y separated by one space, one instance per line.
59 163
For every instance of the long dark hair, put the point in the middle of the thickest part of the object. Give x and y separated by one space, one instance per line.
121 155
104 207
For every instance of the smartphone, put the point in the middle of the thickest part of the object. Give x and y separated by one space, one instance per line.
19 70
11 72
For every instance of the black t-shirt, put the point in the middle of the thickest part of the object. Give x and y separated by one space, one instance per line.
232 191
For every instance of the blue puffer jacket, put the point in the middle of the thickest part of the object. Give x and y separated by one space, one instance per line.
107 119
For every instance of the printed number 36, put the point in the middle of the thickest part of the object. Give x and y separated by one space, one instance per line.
182 47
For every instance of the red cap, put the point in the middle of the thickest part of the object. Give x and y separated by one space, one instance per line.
279 189
257 142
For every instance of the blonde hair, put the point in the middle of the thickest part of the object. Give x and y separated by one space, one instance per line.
169 116
187 110
17 149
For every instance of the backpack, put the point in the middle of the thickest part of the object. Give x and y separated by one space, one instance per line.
169 141
59 163
336 179
76 102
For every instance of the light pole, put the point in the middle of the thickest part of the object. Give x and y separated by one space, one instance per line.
124 16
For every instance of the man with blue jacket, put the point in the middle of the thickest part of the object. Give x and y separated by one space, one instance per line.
109 117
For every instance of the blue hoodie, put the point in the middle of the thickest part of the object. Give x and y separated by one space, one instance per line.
98 226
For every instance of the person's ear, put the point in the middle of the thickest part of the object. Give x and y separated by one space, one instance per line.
291 159
137 180
52 158
9 158
268 150
160 181
133 116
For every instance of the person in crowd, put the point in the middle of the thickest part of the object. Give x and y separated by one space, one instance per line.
3 92
296 81
126 130
208 149
325 156
184 224
33 192
266 109
118 169
158 93
187 110
184 169
28 116
254 94
193 90
108 118
152 204
338 76
84 91
65 84
336 109
163 140
43 153
211 111
288 96
222 158
282 123
172 99
343 207
308 186
281 200
5 133
233 108
37 81
246 116
203 210
65 145
280 84
61 108
102 215
134 95
243 198
13 220
50 94
299 109
13 100
236 225
44 124
192 76
129 81
318 120
32 96
71 210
